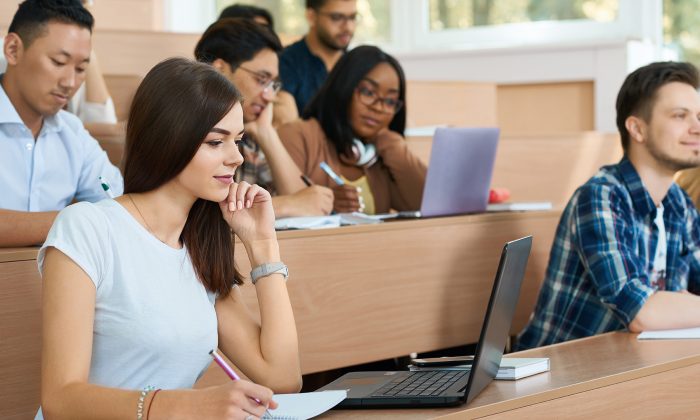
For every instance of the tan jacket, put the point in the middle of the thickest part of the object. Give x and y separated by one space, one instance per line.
396 179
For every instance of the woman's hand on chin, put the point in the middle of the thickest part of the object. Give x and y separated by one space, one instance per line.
248 211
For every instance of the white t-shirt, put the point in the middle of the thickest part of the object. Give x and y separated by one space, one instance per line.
154 321
658 272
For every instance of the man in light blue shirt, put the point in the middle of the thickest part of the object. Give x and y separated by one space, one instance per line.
47 158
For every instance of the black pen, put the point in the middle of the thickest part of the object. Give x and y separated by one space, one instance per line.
306 180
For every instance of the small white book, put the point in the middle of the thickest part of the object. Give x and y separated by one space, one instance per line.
679 334
521 206
511 368
305 405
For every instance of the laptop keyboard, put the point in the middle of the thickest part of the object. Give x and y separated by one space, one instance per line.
423 383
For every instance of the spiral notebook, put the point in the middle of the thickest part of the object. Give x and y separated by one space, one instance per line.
305 405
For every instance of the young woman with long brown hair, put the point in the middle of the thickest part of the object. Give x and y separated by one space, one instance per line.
138 290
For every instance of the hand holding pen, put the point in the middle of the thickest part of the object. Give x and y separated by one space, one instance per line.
257 404
347 198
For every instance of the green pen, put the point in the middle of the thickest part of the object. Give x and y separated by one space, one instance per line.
106 187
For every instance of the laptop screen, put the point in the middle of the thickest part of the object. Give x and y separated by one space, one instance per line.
499 315
460 170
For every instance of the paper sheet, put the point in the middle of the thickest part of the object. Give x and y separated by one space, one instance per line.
305 405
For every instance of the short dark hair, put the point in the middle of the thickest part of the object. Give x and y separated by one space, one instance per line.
247 12
32 16
638 92
235 40
174 108
331 104
315 4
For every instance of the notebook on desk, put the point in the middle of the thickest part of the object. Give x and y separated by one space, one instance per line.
446 388
459 173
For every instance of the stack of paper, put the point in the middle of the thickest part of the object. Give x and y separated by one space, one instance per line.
511 368
304 406
325 222
310 222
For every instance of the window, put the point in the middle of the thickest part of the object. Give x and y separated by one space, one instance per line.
290 23
681 22
463 14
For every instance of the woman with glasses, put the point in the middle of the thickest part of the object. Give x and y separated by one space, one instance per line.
355 124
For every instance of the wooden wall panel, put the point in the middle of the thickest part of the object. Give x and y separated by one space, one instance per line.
144 15
136 52
20 339
546 108
451 103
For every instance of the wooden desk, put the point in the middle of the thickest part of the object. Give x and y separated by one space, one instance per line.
359 293
610 375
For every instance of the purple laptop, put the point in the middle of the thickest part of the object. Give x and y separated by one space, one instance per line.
460 170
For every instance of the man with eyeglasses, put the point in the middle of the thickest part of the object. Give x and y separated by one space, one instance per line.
305 64
246 53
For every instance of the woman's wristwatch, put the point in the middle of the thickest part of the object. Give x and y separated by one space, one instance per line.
264 270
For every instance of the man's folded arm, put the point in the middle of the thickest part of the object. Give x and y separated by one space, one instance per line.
22 228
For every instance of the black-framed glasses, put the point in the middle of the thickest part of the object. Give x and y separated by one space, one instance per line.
266 82
370 98
337 18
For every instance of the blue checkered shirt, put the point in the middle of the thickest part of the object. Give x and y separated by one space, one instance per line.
598 276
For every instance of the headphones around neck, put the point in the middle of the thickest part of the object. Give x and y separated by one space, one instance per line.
363 155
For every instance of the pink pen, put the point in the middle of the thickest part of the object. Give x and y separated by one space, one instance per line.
230 372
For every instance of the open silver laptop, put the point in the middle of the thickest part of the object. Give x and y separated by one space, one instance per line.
459 173
441 387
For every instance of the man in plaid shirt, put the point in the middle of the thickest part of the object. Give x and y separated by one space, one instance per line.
627 249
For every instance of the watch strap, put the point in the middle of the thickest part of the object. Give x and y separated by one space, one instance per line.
266 269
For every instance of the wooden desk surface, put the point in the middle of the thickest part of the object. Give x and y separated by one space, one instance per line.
17 254
606 374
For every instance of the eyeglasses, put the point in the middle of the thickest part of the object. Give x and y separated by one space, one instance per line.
264 81
370 98
337 18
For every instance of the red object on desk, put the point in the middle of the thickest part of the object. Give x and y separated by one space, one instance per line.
498 195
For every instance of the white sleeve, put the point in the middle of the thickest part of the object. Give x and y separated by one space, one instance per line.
81 232
96 164
92 112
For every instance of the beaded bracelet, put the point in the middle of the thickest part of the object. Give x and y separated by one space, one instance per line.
150 404
142 398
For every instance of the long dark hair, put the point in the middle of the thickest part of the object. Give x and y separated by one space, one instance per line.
174 108
331 104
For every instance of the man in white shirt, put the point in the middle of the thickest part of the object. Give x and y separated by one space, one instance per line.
47 159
